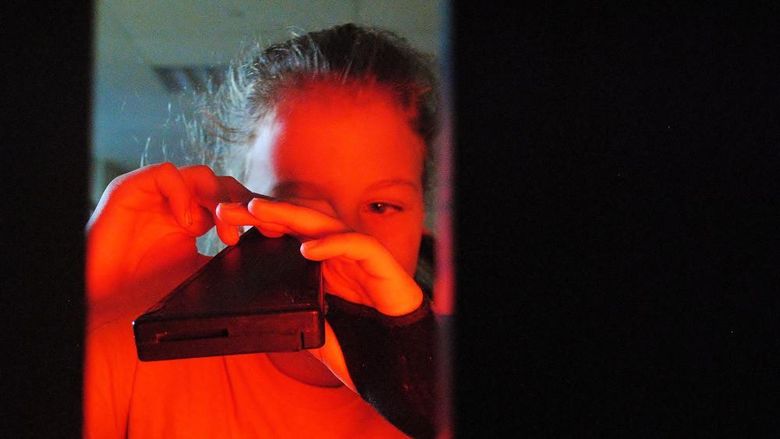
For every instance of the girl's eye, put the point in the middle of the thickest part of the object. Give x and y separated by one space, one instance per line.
383 208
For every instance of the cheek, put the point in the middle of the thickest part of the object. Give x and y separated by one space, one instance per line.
402 241
411 250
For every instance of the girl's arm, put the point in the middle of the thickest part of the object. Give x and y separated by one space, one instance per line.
140 243
391 361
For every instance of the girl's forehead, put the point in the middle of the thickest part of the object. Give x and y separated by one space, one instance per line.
326 102
345 123
360 156
339 134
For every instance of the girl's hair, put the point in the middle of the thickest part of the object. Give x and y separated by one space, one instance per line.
227 114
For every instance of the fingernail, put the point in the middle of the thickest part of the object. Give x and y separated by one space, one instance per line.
263 197
230 205
308 245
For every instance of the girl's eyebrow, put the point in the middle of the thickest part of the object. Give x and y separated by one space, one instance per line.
394 182
292 187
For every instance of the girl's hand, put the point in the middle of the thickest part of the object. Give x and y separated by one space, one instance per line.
355 266
144 227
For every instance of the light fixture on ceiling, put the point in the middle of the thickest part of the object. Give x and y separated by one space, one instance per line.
178 79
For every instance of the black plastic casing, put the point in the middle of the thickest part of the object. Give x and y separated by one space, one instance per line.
260 295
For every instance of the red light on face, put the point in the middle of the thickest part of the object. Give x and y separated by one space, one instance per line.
343 149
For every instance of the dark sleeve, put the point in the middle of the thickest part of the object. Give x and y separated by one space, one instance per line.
391 361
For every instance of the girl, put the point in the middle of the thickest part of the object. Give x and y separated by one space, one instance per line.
337 126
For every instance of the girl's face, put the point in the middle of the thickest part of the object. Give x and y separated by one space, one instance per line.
350 153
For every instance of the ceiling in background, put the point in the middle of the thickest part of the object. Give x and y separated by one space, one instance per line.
140 48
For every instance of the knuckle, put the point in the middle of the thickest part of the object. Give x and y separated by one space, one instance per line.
252 205
206 171
229 179
166 167
201 170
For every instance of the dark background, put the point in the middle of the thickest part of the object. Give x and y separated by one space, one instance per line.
45 128
617 189
615 226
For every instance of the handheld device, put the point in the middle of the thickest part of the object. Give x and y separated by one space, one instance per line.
260 295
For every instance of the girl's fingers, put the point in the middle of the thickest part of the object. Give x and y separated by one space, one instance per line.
276 218
301 221
205 185
210 190
236 214
364 249
387 287
271 234
235 190
172 185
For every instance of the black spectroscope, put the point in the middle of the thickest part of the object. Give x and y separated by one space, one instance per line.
260 295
